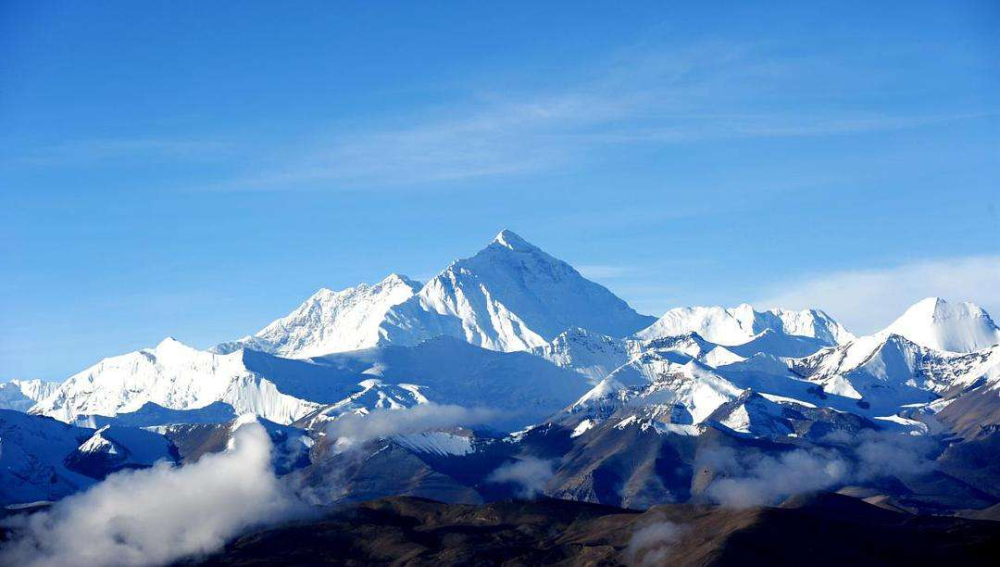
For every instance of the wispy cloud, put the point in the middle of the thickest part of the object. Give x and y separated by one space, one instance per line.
639 96
867 300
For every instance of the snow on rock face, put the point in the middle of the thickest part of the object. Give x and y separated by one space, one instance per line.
893 358
739 325
666 386
887 372
956 327
374 395
591 354
112 448
442 443
511 296
175 376
330 321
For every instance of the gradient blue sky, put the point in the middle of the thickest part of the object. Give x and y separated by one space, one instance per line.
197 169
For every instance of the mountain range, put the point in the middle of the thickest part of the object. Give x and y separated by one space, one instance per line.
511 360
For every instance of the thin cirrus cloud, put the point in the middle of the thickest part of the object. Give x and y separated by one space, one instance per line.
705 92
868 300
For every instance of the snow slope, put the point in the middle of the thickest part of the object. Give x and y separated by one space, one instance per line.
511 296
330 321
739 325
520 388
956 327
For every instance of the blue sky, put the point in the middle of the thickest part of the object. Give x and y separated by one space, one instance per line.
196 170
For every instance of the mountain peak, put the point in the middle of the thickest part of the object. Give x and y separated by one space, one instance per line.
509 296
508 239
330 321
929 306
171 347
396 279
956 327
171 343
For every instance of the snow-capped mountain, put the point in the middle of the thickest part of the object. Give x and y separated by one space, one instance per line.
888 370
176 376
177 382
511 296
330 321
20 395
742 324
956 327
520 341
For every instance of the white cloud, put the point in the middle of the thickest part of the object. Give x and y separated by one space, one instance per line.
529 474
766 480
868 300
651 544
748 479
158 515
424 417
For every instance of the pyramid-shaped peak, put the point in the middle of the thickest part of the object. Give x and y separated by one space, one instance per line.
957 327
396 279
510 240
170 342
172 345
928 305
937 309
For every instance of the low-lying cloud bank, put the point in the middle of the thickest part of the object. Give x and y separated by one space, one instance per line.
750 479
158 515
